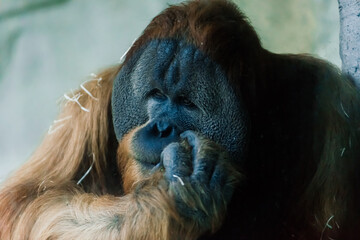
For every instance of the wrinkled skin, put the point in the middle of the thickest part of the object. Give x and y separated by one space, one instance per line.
172 83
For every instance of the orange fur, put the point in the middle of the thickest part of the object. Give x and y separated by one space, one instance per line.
42 201
127 165
63 156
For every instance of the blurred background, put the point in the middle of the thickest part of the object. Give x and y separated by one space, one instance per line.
48 47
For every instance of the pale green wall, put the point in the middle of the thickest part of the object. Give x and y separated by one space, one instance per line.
304 26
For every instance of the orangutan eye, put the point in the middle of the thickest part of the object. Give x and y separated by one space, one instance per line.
157 94
185 102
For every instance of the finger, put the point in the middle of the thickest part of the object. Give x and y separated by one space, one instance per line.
218 178
176 161
205 156
193 140
203 169
221 183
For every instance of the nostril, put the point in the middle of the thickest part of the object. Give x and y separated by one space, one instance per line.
162 129
166 132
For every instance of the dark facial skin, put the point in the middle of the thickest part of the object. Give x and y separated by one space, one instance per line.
173 87
192 125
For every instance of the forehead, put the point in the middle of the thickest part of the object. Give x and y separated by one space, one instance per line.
175 65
